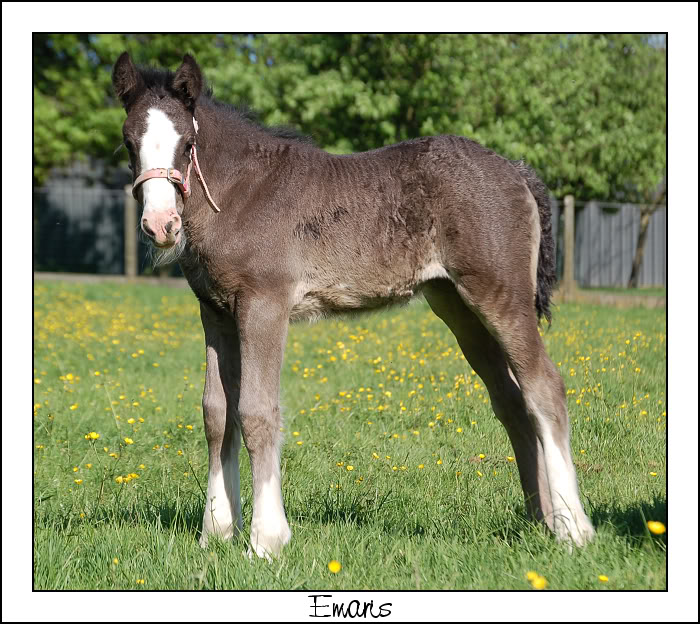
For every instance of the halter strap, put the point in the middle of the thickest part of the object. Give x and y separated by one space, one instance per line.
172 175
175 177
193 155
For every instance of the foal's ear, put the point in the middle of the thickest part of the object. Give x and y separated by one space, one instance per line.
126 79
188 81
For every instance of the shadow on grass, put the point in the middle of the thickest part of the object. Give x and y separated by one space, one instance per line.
340 508
631 520
404 517
175 514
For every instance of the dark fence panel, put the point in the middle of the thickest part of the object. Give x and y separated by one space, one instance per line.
80 229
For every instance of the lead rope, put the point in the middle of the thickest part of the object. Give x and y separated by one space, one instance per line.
198 171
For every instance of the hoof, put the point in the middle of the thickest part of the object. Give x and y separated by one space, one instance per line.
268 546
578 531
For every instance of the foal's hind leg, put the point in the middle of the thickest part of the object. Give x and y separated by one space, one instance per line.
262 327
486 357
222 514
512 320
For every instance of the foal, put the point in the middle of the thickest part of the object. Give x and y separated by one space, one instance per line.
275 229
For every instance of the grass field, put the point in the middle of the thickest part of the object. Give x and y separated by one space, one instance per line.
393 465
647 291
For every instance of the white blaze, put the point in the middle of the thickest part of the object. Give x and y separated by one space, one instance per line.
158 151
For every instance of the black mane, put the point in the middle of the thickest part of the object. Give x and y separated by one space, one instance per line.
243 112
160 81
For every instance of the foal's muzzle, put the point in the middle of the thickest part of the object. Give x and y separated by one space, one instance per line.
162 228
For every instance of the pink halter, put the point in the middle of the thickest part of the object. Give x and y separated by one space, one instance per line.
176 177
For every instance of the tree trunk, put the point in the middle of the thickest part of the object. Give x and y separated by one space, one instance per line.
647 212
641 243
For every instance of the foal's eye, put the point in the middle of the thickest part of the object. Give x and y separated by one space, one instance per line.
129 145
188 147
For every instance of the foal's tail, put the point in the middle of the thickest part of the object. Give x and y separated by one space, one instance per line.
546 261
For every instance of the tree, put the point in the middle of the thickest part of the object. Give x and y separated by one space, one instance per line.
587 111
75 112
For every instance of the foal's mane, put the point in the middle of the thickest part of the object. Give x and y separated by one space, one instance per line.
160 82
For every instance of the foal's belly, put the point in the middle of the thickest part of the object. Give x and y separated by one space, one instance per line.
312 301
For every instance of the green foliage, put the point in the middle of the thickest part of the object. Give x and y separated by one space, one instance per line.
587 111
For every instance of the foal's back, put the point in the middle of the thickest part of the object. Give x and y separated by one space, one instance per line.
372 228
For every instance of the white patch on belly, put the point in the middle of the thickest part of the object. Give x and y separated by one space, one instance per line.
313 301
433 270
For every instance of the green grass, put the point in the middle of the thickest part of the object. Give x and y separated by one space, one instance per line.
646 291
458 524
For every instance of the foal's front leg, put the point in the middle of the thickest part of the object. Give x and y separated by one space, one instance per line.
262 325
222 514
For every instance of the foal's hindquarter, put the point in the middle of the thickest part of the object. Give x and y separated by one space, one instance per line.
463 229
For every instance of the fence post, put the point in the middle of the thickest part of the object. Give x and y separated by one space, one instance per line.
569 285
131 258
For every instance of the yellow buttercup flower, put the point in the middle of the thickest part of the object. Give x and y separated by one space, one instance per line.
537 581
128 440
657 528
602 578
334 566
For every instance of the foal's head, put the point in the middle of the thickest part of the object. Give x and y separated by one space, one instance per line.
159 133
